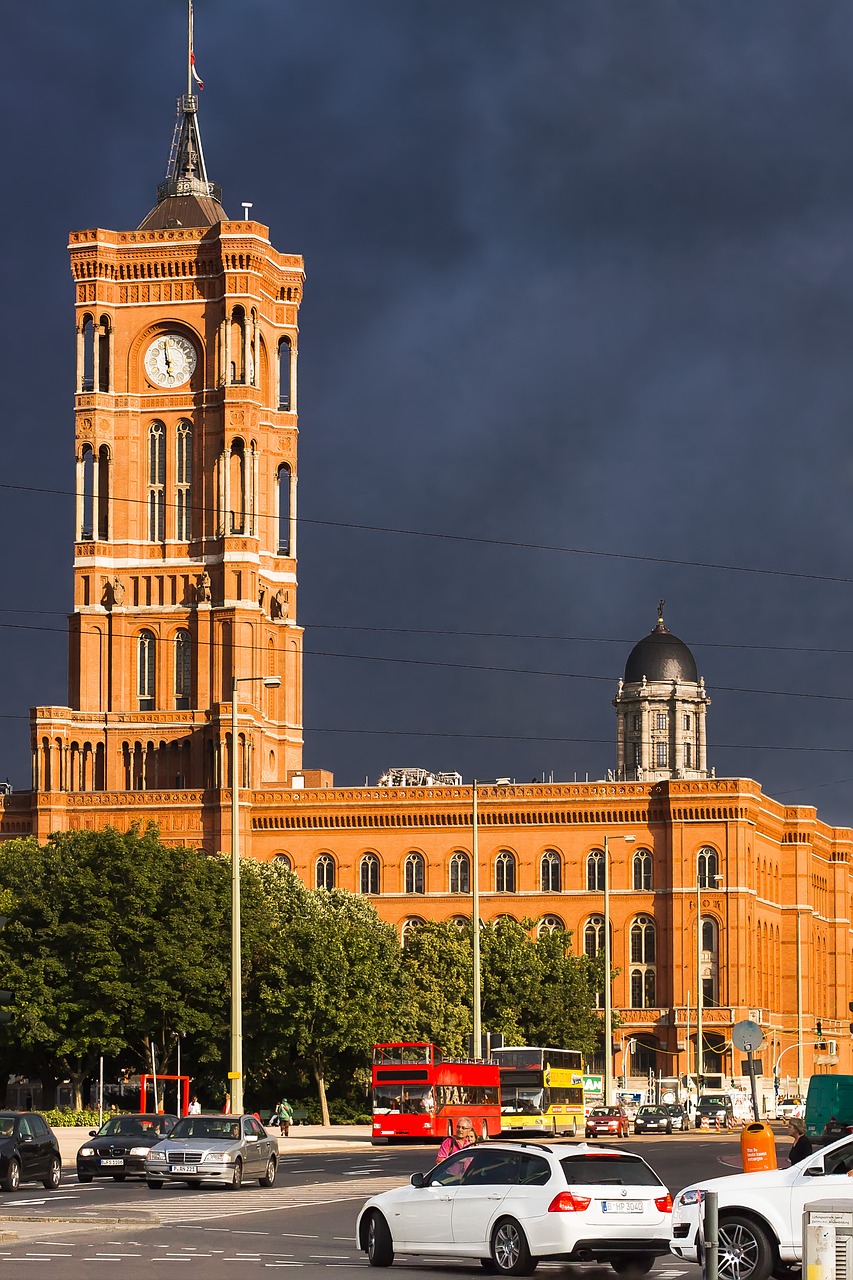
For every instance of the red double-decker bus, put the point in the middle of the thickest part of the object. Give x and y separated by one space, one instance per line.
417 1094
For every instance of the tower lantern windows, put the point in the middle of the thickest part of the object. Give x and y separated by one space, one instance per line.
285 496
157 482
146 670
285 374
183 670
183 481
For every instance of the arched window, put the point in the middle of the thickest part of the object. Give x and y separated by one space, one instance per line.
415 873
87 382
706 868
369 874
282 860
710 967
183 670
87 488
549 924
642 870
409 927
505 872
460 873
183 481
461 922
103 339
551 871
237 345
643 948
146 671
643 941
593 936
237 486
710 936
595 871
156 482
284 499
325 872
285 367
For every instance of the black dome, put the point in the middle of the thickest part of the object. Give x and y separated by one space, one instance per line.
660 656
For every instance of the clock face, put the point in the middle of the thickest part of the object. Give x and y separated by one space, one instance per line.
170 360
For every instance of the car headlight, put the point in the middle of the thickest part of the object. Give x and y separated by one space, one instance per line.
216 1157
156 1155
86 1151
139 1151
692 1196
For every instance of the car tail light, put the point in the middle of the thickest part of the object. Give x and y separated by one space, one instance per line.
664 1203
568 1202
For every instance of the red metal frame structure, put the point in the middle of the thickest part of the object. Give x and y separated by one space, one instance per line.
184 1087
417 1094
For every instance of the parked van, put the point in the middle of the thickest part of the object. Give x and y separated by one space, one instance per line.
829 1107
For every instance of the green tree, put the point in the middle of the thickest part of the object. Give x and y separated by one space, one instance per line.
437 974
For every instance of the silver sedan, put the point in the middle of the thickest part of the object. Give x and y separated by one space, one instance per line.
223 1149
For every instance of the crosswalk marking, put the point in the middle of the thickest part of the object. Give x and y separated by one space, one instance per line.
218 1203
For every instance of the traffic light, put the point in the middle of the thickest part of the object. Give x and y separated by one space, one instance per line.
818 1026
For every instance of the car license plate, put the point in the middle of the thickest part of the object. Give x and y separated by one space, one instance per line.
110 1162
183 1168
622 1206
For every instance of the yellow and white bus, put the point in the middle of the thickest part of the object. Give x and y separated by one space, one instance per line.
541 1089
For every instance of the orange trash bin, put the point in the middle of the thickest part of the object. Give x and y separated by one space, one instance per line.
757 1147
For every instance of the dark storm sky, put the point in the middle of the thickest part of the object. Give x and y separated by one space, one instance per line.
580 275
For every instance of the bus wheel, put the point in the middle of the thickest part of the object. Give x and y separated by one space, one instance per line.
554 1126
484 1131
574 1133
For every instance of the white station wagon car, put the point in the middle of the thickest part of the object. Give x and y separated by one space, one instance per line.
761 1214
515 1204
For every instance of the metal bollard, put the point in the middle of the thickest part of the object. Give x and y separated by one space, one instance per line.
710 1231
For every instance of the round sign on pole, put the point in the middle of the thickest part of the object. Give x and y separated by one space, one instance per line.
747 1036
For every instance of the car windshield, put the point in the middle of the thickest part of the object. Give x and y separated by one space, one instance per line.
223 1127
135 1126
603 1168
651 1111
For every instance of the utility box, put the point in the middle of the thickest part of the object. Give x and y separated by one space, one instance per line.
828 1240
758 1148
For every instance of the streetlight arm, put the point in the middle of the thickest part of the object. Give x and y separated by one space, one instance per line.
805 1045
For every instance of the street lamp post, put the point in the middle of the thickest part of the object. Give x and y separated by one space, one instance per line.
235 1075
608 978
703 881
477 1019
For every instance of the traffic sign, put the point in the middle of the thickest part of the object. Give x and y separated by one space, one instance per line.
747 1036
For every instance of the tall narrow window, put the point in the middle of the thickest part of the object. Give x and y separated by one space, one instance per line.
593 943
146 671
595 871
414 873
183 670
505 872
325 872
284 497
369 877
237 338
706 868
156 482
88 372
642 870
660 755
103 513
550 871
183 481
285 368
103 340
460 873
643 973
237 481
87 477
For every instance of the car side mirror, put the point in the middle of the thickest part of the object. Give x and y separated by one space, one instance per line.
813 1171
26 1137
93 1133
417 1180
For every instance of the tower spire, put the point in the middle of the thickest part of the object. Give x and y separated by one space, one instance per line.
186 197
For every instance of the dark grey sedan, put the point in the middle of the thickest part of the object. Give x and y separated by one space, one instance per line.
653 1120
223 1149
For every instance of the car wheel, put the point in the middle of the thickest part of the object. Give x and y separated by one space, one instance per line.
669 1128
510 1251
54 1174
119 1177
635 1264
745 1251
13 1177
268 1179
154 1184
379 1245
237 1177
85 1177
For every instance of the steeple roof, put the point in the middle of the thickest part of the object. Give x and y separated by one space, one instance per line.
186 198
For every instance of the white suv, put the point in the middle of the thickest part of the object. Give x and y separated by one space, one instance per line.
761 1214
513 1205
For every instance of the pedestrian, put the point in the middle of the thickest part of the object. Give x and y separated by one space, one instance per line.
802 1148
463 1137
226 1106
284 1111
194 1109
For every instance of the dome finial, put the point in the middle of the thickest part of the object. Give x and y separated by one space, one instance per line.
661 624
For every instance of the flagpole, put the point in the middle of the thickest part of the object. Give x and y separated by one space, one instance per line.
189 48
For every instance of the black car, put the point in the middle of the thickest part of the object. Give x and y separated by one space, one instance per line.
652 1120
715 1111
29 1151
118 1149
678 1115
